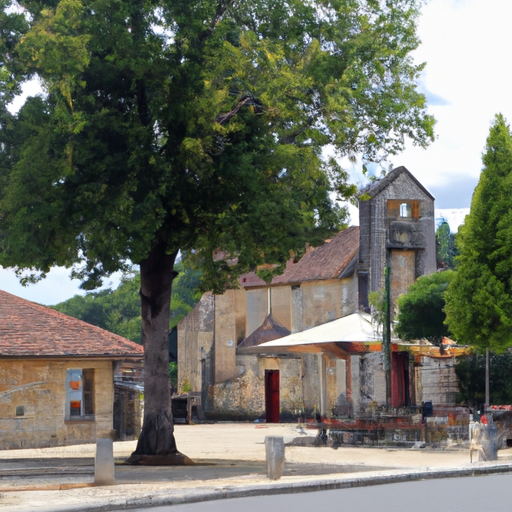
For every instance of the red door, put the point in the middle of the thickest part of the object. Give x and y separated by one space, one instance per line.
272 396
400 379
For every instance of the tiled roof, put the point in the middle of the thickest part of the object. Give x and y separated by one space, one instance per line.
325 262
30 330
269 330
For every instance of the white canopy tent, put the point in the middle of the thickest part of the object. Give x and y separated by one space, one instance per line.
351 334
355 327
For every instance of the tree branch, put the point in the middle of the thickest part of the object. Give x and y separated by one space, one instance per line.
242 102
222 7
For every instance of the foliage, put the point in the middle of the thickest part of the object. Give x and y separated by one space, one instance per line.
471 374
445 247
195 124
420 310
118 311
378 307
479 299
173 374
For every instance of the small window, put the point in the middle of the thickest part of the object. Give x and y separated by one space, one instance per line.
405 210
79 393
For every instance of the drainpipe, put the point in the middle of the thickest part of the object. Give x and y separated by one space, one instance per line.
323 385
386 345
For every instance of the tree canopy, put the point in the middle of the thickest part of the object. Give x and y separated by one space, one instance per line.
470 371
445 246
192 125
420 311
118 310
479 299
157 115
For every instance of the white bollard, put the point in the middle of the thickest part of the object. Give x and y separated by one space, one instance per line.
274 448
104 470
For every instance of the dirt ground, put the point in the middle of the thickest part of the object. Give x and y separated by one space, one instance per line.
228 456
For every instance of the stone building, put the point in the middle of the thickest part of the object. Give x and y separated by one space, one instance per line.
397 222
57 377
322 286
397 228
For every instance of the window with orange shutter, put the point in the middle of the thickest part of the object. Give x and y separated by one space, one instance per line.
79 393
403 209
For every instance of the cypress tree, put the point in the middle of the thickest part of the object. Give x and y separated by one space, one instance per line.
479 299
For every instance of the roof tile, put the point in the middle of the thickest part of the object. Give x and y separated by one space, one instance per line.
30 330
324 262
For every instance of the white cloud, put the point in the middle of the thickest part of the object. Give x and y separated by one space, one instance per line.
454 216
463 44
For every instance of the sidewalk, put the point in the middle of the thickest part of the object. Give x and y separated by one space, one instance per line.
230 462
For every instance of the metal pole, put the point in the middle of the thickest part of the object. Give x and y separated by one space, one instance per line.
486 379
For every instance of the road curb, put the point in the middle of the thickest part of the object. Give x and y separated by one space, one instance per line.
201 494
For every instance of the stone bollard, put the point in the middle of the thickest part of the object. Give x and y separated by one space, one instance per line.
489 443
104 471
274 448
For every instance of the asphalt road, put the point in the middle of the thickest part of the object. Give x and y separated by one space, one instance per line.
471 494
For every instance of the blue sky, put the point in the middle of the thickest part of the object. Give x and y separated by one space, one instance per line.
467 81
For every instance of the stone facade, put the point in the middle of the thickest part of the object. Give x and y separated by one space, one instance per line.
57 378
436 381
397 228
397 223
231 385
33 398
368 382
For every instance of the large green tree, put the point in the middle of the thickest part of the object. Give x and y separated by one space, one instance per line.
479 299
420 310
445 246
194 125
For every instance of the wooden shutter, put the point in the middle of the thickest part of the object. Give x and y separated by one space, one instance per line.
394 208
415 206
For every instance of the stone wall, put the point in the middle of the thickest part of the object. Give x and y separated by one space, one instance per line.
436 381
243 397
229 328
258 306
368 381
195 345
381 232
32 403
316 302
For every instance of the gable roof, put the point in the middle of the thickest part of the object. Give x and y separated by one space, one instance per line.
377 187
269 330
328 261
30 330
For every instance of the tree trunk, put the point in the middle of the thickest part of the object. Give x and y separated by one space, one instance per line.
156 445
